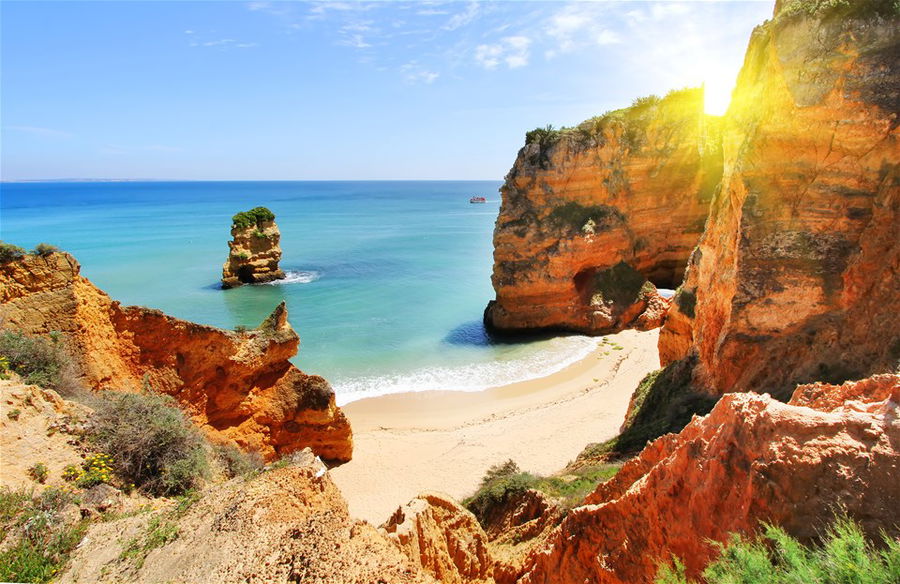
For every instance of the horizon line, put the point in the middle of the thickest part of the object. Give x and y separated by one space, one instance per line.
73 180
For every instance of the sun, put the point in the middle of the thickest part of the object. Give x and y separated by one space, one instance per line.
716 96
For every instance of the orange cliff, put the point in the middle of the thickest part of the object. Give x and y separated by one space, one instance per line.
795 277
236 386
752 459
591 213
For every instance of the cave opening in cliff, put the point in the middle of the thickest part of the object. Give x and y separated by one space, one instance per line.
245 274
664 274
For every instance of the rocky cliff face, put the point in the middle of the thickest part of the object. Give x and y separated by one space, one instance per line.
751 459
285 525
592 217
795 277
255 252
237 386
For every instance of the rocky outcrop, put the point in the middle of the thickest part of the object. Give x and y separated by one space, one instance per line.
254 250
37 426
515 527
237 386
752 459
795 277
440 535
284 525
594 216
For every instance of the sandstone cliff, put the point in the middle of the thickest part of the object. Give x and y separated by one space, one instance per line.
795 277
591 214
254 250
236 386
751 459
442 537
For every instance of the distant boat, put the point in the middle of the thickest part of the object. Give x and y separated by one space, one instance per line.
478 200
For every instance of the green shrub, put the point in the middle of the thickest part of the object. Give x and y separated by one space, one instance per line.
39 361
260 235
237 462
14 414
44 540
840 8
10 252
500 482
44 249
151 442
254 216
844 557
505 480
38 472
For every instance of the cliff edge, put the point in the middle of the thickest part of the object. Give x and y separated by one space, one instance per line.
237 386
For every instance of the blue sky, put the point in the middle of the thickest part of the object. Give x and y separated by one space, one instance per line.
335 90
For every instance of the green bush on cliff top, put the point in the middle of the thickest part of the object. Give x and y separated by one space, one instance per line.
842 8
9 252
152 443
506 479
254 216
39 361
844 557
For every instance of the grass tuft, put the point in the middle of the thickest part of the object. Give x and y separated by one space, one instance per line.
844 557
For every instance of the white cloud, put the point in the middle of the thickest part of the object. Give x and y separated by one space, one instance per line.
42 132
224 44
473 9
356 41
580 25
415 73
511 50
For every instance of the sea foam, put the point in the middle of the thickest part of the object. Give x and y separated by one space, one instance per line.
553 356
297 277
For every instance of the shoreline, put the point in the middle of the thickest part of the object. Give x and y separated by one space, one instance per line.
408 443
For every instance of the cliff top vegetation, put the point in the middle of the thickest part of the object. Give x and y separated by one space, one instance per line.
254 216
679 110
842 8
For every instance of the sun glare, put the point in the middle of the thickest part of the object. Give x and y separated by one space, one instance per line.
716 96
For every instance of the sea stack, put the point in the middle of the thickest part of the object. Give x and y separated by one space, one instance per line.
255 252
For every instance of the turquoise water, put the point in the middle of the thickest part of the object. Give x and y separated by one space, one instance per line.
386 282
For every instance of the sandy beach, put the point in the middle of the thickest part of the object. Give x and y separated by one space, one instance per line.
409 443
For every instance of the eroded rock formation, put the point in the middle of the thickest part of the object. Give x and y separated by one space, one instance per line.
440 535
254 251
593 217
795 277
751 459
236 386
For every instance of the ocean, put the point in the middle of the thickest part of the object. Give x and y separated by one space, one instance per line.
386 281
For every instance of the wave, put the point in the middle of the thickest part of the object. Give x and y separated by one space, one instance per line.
297 277
554 356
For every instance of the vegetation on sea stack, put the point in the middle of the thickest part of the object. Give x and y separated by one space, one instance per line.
254 216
